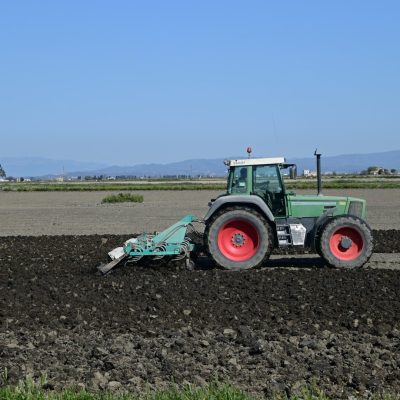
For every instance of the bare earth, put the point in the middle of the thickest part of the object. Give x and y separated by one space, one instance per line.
81 213
289 324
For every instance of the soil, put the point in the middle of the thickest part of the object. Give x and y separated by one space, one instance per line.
81 213
265 330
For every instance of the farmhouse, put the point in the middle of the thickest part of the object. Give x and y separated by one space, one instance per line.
309 174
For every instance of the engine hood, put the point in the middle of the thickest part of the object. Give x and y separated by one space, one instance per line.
315 206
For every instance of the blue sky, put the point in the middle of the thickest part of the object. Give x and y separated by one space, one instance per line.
126 82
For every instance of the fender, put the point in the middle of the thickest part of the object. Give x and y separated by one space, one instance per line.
321 221
239 199
324 217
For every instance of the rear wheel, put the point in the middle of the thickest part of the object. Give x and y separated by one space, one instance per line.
346 242
239 238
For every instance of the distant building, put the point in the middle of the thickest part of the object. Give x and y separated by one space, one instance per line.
309 174
378 171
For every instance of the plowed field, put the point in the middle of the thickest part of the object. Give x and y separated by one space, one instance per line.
263 330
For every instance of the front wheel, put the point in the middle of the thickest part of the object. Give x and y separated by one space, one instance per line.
346 242
239 238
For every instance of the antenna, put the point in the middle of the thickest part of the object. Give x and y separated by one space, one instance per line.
319 180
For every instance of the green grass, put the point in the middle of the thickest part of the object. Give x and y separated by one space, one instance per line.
31 390
220 185
344 184
93 186
123 198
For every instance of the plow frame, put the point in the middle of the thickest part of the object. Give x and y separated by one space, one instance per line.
170 242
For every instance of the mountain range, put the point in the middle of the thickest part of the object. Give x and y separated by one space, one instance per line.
40 166
47 168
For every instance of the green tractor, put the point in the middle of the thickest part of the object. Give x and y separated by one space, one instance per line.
257 214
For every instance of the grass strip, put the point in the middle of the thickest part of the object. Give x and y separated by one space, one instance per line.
31 390
98 186
77 187
344 184
123 198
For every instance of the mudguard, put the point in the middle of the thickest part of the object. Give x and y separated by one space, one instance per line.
256 201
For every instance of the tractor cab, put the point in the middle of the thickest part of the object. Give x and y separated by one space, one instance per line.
260 177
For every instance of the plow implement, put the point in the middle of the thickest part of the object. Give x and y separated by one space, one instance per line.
173 242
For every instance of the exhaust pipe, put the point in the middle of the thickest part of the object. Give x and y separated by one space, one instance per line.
319 180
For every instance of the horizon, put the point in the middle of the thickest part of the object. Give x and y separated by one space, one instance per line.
199 158
37 167
129 82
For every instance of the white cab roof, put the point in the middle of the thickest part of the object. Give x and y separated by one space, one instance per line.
255 161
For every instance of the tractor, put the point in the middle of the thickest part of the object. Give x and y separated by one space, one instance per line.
256 215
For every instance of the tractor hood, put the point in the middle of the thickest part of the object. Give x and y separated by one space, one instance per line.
314 206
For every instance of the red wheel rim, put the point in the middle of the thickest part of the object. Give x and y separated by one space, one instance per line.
344 252
238 240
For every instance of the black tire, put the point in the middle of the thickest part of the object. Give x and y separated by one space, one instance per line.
346 242
239 238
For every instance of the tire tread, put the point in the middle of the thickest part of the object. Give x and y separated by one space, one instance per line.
213 251
351 221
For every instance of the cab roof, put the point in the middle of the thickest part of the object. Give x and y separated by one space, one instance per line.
255 161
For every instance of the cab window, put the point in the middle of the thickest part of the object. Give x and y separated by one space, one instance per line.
266 179
268 185
239 180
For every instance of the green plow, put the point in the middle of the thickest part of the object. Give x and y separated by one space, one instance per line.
172 242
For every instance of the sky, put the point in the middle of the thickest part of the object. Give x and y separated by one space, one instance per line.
129 82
